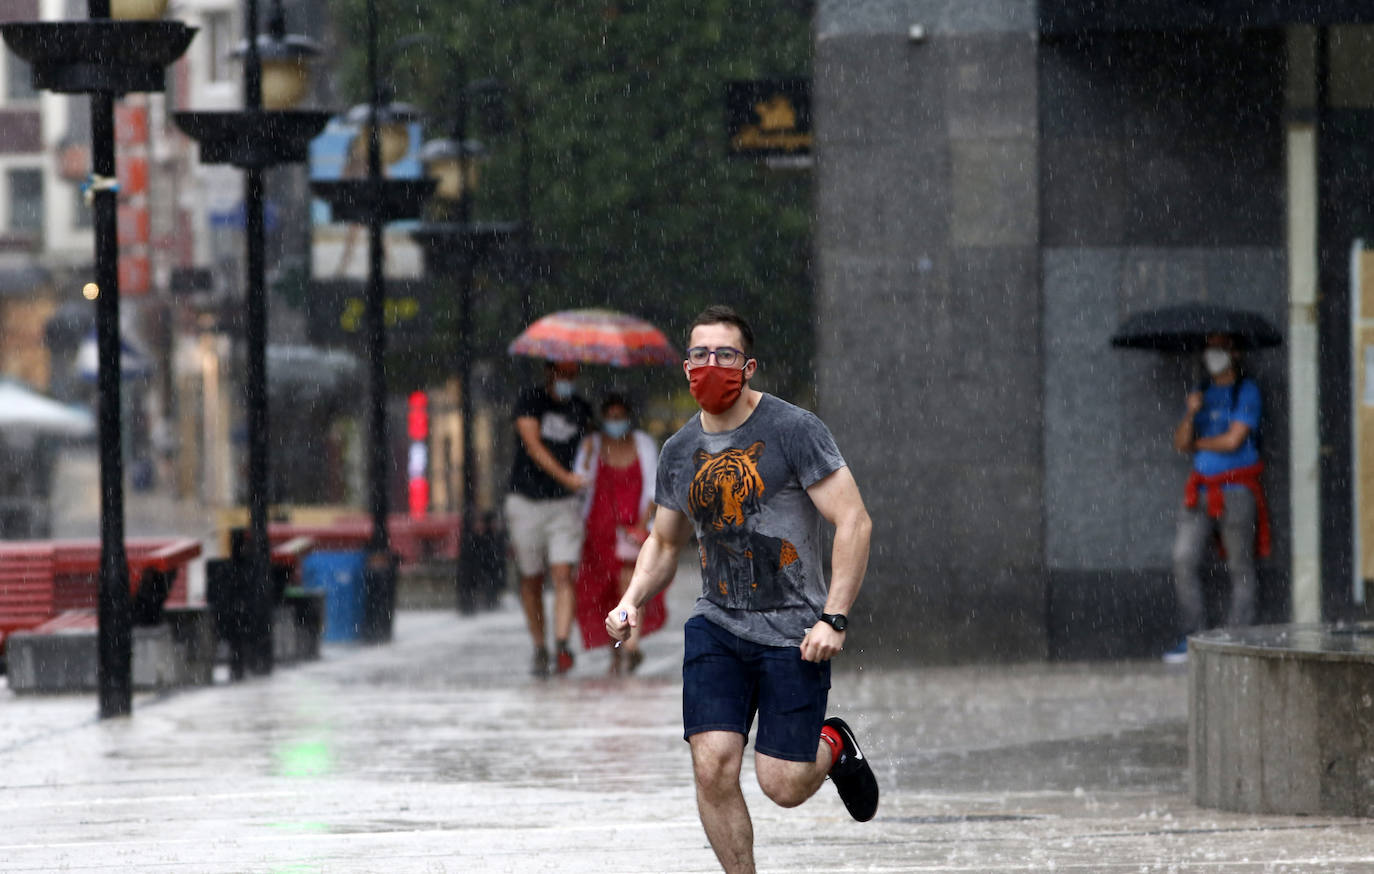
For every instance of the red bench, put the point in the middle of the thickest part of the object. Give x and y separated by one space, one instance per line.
26 587
413 540
40 580
346 535
69 621
288 554
77 568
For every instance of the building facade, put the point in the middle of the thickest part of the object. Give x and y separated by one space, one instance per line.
1000 184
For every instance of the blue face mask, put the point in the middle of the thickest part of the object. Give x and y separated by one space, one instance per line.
563 389
616 428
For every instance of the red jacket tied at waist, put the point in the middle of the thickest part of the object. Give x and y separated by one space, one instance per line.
1216 499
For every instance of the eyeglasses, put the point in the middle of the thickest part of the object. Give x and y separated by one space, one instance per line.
726 356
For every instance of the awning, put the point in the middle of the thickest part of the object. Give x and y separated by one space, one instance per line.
25 411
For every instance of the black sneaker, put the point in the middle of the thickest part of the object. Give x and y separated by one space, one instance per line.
540 666
852 776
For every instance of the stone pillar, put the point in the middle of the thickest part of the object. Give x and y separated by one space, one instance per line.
928 315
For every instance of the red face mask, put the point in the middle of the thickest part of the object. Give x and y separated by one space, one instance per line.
716 388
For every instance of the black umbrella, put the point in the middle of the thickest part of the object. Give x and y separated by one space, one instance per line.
1185 328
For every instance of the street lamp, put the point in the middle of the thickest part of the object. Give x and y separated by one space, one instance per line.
267 132
457 246
455 168
108 55
377 200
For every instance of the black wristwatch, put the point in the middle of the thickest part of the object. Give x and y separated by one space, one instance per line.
837 621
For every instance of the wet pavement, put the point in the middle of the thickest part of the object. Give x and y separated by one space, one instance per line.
439 753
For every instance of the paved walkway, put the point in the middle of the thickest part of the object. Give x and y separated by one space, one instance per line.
437 753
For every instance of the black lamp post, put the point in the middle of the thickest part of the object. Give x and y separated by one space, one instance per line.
457 247
254 139
105 58
377 200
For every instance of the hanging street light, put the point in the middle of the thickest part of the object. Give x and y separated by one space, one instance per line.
451 247
110 54
267 132
384 128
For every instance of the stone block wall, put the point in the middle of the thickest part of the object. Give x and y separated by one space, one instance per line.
992 202
928 317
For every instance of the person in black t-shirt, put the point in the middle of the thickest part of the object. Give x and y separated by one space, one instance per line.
542 512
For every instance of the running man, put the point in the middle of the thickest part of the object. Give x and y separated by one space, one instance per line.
753 476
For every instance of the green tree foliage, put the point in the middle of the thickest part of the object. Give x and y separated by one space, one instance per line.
635 204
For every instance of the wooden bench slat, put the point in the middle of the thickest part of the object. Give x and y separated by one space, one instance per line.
40 580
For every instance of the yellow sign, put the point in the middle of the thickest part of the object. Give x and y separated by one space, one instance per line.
769 117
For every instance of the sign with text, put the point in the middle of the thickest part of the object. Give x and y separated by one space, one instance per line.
767 118
335 310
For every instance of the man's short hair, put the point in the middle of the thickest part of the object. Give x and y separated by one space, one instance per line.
720 314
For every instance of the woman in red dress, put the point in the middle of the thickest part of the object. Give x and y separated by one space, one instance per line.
619 465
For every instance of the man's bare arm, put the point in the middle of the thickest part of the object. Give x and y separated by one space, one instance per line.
1183 431
838 500
527 427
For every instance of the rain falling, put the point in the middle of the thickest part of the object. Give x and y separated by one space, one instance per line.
885 436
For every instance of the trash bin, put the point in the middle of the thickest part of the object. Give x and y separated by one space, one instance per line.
339 574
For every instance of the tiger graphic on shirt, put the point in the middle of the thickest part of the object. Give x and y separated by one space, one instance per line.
741 568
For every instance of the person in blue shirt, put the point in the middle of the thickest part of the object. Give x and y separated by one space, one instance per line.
1223 495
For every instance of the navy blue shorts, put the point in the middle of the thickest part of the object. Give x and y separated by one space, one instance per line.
726 680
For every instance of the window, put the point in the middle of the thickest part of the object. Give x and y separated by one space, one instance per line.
26 201
83 216
219 35
18 79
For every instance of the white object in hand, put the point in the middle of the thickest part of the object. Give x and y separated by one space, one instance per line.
623 616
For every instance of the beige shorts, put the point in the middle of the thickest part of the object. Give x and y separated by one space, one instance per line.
549 529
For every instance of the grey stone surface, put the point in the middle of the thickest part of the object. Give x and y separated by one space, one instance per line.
1082 425
928 323
867 218
995 192
940 17
991 204
298 626
1113 481
1110 614
990 86
157 660
437 754
67 661
1085 177
1179 139
193 632
1281 720
51 662
873 90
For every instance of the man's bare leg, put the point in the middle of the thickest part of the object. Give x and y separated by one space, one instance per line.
532 600
716 760
564 600
788 784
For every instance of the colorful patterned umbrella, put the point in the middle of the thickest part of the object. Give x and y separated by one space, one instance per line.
595 336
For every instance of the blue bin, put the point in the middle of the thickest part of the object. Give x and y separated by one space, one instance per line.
339 574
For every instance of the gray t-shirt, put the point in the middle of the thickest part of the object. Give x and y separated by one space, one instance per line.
759 533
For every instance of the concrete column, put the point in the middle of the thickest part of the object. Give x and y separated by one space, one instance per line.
928 304
1304 451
